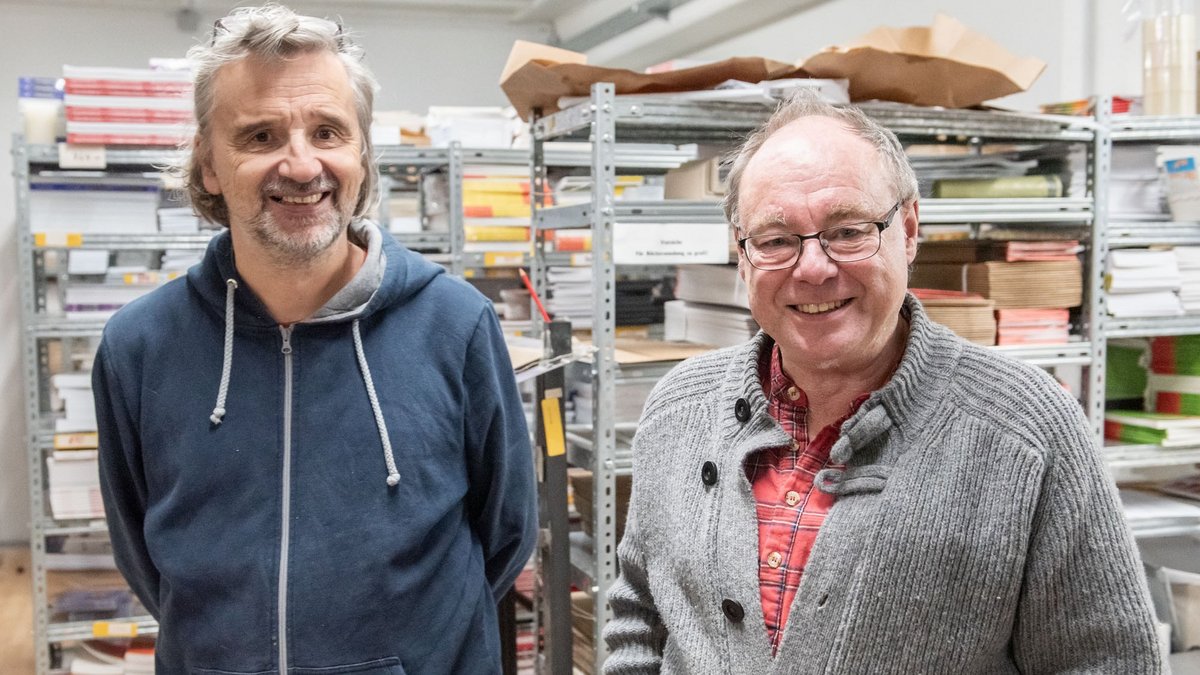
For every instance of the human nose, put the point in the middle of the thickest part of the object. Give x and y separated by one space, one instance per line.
813 266
301 163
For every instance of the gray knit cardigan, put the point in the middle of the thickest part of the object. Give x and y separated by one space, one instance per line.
976 529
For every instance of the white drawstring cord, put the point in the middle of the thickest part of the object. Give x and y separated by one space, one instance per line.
218 412
393 478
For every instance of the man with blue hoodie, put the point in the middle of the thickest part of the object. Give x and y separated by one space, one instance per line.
313 452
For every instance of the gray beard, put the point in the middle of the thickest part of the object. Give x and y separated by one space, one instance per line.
301 248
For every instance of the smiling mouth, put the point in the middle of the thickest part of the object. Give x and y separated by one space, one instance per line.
820 308
300 200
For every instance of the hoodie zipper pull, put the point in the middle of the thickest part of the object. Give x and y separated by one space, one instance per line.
287 339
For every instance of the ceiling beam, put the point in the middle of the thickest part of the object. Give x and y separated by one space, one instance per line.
690 27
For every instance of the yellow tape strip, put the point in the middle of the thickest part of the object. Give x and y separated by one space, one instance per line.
552 423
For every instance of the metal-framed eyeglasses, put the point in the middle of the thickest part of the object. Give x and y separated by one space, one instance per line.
849 242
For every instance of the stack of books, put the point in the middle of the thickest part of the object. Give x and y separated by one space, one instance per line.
1032 326
1012 274
1152 428
968 314
1010 285
496 213
1173 384
127 106
1142 283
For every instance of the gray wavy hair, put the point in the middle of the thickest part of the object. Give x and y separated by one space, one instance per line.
273 32
807 104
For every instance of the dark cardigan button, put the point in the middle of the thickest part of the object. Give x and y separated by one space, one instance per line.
742 410
733 610
708 473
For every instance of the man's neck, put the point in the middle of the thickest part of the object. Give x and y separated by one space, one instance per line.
831 388
293 292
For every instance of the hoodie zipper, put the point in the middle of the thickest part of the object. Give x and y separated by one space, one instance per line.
286 507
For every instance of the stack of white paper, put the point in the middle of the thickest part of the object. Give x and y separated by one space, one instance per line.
73 477
717 325
1142 283
74 390
93 208
1188 259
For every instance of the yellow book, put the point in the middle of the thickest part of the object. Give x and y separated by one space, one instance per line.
496 233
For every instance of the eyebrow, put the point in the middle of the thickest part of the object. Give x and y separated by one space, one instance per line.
329 117
841 212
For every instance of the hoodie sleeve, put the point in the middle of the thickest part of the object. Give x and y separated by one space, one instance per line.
502 500
122 481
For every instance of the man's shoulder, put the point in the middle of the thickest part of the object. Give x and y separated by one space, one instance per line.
700 377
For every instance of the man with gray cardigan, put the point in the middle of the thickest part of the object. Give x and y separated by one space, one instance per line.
857 489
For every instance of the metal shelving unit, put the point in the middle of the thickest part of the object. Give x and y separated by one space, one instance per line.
1128 233
42 329
603 119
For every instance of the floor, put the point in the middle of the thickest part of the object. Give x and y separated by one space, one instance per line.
16 611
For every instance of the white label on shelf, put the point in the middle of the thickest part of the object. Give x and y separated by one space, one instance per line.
670 243
72 156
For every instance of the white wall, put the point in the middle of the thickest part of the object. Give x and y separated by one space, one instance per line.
1058 33
420 60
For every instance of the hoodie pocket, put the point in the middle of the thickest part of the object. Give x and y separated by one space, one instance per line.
388 666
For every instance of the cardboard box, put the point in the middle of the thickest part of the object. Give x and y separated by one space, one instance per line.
536 76
698 180
945 64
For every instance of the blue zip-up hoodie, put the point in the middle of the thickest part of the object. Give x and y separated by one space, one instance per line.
268 537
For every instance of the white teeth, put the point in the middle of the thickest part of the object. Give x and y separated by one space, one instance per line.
822 307
310 199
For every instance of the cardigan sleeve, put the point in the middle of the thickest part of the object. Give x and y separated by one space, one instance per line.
1084 605
635 635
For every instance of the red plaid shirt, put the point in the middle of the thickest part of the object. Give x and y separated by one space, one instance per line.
790 507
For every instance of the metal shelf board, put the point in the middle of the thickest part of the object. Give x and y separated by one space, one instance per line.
1125 128
1148 327
130 242
388 155
1032 210
704 120
579 453
909 120
1152 232
409 155
626 156
113 156
1070 354
1118 455
582 562
50 527
424 239
85 630
59 327
661 119
669 211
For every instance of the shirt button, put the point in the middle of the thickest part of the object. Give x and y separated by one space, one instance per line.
792 498
774 559
793 393
795 446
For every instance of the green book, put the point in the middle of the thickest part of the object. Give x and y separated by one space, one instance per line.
1006 187
1152 428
